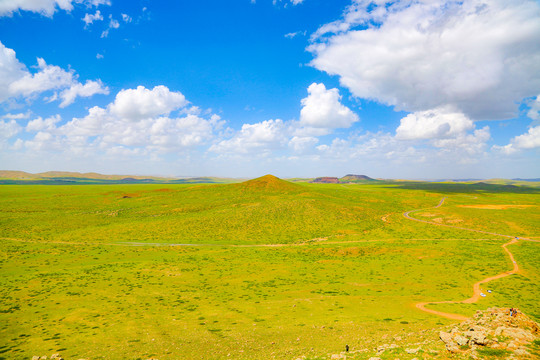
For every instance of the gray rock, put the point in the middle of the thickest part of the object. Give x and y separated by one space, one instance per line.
521 352
479 338
461 340
448 341
519 334
445 337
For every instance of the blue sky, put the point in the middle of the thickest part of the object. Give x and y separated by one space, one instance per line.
407 89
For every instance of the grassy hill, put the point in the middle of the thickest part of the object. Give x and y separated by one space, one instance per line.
359 179
268 269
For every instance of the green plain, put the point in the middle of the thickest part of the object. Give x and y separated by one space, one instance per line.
273 269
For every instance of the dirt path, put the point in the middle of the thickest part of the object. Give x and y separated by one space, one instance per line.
408 216
477 289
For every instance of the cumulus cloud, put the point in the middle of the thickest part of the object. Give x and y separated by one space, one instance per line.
45 7
467 147
8 129
139 121
321 113
16 81
527 141
262 136
16 116
323 109
11 70
301 144
140 103
446 129
48 77
89 18
482 57
534 111
433 124
90 88
43 124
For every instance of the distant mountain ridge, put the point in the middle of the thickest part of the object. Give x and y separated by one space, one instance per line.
8 174
347 179
69 177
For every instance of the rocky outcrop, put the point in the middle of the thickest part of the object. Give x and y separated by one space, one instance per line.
489 334
326 180
58 357
44 357
494 328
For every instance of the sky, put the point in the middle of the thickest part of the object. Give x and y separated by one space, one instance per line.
423 89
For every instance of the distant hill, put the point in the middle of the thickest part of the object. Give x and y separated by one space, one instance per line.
17 175
67 177
269 183
351 178
326 180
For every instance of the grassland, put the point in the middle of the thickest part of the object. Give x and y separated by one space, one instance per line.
275 270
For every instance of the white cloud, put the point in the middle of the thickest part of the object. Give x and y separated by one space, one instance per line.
527 141
16 116
292 35
433 124
45 7
89 18
90 88
99 56
11 70
262 136
126 18
8 129
41 124
48 77
321 112
16 81
323 109
301 144
287 2
465 147
43 140
534 111
480 56
137 122
140 103
113 24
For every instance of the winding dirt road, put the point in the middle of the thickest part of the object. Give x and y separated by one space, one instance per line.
477 290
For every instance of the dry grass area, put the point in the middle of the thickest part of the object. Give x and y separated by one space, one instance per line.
496 207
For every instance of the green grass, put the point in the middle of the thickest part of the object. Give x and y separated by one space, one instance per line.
490 353
71 280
